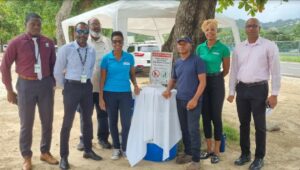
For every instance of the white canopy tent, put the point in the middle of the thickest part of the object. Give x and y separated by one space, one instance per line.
153 18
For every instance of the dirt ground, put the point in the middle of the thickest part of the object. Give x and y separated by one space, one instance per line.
283 147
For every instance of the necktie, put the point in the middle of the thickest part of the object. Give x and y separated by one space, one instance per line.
38 57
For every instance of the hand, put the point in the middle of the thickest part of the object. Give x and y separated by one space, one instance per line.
272 101
166 94
230 99
136 90
102 104
191 104
12 97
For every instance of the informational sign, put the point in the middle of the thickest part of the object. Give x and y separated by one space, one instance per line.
161 66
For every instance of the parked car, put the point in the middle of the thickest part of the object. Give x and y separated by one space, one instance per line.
142 54
4 47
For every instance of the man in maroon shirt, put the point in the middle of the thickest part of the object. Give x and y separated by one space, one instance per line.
34 57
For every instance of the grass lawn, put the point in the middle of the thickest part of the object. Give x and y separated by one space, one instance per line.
290 58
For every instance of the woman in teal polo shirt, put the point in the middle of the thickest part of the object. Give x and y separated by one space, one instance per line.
216 56
117 69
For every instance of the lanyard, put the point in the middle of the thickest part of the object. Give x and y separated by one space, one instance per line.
85 56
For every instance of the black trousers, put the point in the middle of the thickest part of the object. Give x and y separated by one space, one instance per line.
252 99
213 99
74 94
102 118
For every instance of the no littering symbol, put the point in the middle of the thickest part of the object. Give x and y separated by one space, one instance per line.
155 73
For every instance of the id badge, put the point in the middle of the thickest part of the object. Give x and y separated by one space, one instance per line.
83 78
37 68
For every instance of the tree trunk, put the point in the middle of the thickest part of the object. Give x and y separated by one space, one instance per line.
189 18
62 14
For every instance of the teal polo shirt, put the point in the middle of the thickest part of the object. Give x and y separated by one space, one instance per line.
117 72
213 57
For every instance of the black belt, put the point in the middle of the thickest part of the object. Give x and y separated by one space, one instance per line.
214 74
253 84
76 81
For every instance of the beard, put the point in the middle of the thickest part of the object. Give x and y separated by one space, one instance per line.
95 34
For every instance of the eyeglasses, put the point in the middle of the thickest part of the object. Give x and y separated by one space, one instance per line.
117 41
80 32
251 26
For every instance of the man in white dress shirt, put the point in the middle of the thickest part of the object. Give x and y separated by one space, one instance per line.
253 62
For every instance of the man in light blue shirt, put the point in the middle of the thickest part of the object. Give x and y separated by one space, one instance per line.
73 72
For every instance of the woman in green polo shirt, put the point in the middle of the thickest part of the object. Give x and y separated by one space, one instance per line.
217 59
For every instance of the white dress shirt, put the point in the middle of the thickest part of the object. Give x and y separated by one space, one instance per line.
155 120
102 47
254 63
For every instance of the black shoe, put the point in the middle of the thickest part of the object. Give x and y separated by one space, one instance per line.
242 160
64 164
92 155
257 164
80 146
215 159
105 144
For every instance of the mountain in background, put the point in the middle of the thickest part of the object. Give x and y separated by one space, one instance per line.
277 24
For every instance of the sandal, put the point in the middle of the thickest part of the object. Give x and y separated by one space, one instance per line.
205 155
215 159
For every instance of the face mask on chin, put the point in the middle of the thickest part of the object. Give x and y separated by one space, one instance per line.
95 34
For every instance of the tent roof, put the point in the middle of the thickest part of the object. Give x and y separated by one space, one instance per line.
138 16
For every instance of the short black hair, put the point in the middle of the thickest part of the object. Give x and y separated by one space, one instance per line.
117 33
32 15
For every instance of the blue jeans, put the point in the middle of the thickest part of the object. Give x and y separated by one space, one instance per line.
115 102
189 123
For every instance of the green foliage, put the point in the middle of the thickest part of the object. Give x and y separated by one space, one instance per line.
232 134
81 6
250 6
13 14
290 58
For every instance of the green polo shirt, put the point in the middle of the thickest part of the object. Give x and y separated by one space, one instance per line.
213 57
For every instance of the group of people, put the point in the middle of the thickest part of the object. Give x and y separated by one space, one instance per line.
199 80
94 72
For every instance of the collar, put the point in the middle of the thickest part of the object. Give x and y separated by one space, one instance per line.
76 45
97 41
205 43
29 37
257 42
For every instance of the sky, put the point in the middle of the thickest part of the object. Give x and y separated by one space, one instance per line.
274 10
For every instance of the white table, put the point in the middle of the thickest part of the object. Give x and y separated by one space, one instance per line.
155 120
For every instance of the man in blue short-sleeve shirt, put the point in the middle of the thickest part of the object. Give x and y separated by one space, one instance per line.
190 79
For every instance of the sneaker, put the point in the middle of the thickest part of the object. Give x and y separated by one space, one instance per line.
193 166
182 159
205 155
215 159
116 154
124 155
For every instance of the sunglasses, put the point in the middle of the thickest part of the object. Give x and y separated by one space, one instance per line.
251 26
117 41
81 32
